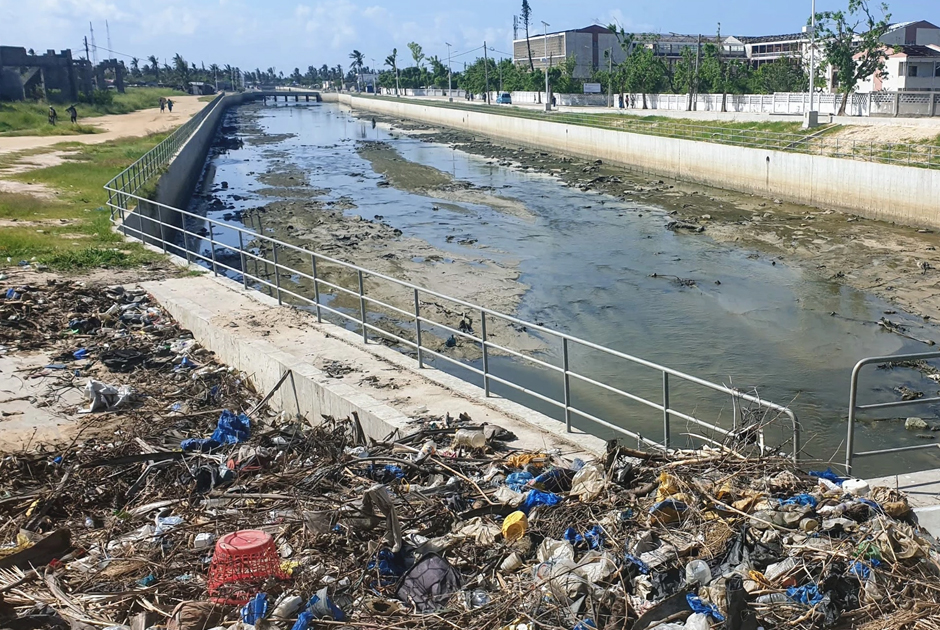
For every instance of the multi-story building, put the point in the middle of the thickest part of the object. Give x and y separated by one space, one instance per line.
908 69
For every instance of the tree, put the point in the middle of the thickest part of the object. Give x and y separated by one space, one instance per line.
782 75
416 53
526 18
296 77
135 66
685 77
438 72
154 67
182 70
851 42
357 60
392 62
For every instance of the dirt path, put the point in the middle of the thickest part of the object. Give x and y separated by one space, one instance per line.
139 123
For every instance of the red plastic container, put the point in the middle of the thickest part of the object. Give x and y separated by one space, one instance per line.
243 560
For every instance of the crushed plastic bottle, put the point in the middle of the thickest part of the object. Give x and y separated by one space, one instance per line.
467 438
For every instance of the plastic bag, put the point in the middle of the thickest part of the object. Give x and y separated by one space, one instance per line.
232 429
588 483
107 397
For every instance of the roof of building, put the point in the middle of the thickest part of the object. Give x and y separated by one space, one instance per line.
764 39
917 51
921 23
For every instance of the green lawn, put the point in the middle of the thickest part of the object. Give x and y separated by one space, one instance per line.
30 118
72 231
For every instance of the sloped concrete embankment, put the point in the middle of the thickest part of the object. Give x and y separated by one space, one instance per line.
887 192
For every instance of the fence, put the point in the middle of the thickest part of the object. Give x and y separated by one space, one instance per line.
813 143
854 407
328 286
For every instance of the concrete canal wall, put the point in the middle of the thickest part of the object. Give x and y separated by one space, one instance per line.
887 192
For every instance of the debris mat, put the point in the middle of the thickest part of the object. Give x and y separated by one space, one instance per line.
190 504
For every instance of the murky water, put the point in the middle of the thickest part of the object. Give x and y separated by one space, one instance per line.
589 260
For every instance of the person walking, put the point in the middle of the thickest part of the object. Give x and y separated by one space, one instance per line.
169 105
53 116
73 113
162 104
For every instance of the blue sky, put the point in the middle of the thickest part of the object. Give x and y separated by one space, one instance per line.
297 33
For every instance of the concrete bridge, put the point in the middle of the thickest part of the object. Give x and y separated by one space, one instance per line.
290 95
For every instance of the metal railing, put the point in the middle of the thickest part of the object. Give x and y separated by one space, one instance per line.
854 407
231 256
906 154
148 166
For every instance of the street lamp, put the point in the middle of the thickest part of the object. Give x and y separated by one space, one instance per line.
548 102
450 95
812 116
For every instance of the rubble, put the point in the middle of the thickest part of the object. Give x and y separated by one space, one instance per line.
449 526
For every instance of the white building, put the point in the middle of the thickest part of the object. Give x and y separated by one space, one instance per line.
909 68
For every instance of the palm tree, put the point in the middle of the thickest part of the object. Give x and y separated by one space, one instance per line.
154 67
358 59
392 62
182 69
135 66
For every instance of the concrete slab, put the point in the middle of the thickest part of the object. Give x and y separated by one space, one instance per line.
922 488
251 332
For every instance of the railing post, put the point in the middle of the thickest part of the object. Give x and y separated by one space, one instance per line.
666 410
486 357
277 276
215 270
241 256
162 236
850 436
567 383
418 330
316 287
362 309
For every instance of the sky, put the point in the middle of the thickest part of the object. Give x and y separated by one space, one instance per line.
298 33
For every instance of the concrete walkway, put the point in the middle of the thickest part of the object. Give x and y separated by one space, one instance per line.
333 374
140 123
923 493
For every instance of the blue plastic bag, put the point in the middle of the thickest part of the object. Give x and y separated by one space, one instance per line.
322 607
585 624
594 537
81 353
806 500
697 605
256 609
537 497
828 474
808 594
644 568
517 481
303 622
232 429
861 570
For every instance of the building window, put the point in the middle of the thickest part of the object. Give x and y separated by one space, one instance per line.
911 70
936 70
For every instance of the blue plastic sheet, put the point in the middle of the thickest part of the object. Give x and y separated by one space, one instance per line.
388 564
303 622
644 568
199 445
585 624
828 474
232 429
322 607
537 497
81 353
697 605
808 594
806 500
861 570
256 609
594 537
517 481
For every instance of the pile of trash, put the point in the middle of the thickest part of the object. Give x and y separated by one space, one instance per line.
207 509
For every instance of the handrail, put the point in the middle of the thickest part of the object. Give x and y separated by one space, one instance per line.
854 407
122 197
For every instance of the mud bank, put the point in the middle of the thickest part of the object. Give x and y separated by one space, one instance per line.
898 264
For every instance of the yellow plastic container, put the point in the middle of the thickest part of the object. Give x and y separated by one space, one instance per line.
514 526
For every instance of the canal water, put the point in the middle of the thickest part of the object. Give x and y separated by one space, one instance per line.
589 261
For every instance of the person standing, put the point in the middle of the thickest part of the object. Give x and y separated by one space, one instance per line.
162 104
53 116
169 105
73 113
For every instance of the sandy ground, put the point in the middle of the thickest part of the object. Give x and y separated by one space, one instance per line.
139 123
899 264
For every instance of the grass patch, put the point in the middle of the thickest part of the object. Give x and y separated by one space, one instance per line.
32 118
73 230
208 98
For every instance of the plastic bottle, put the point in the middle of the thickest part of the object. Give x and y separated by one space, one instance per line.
697 572
468 438
774 598
776 570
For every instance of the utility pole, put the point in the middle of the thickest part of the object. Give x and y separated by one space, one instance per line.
450 73
87 56
107 30
610 77
94 48
486 74
812 116
698 56
548 101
